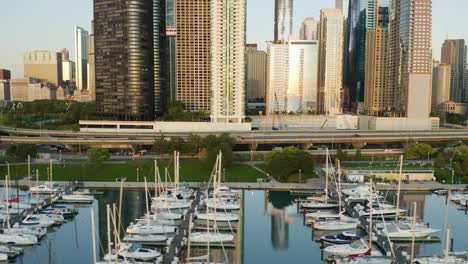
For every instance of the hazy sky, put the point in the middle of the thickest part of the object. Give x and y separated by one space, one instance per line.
48 24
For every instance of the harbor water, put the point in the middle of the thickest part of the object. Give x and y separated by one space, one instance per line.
273 229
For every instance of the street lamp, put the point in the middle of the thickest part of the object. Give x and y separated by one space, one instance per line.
60 157
300 172
138 174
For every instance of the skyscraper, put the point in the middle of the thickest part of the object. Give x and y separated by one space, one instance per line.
454 52
292 76
309 29
361 19
283 20
128 86
81 57
415 38
193 54
44 65
92 66
441 78
65 54
377 100
256 73
228 18
171 33
330 71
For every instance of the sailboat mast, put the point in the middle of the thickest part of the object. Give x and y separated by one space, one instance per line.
339 184
370 212
109 241
399 189
7 205
414 232
93 235
326 176
156 172
146 200
29 171
50 170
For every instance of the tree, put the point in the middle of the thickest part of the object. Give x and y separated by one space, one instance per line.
21 151
98 154
461 153
418 151
440 161
358 154
288 161
225 149
341 155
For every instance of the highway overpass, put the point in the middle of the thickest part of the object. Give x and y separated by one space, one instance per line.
253 139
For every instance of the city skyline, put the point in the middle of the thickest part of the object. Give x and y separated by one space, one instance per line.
259 25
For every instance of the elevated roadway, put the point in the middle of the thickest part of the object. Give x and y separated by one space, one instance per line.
253 138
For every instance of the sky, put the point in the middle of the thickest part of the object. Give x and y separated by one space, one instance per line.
49 24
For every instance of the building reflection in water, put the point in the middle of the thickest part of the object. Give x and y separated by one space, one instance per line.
279 218
407 202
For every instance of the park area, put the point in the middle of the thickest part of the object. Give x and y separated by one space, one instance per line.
134 170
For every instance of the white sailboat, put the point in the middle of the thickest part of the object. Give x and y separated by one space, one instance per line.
145 239
18 239
335 225
145 228
36 221
77 198
400 229
137 252
218 216
356 249
48 187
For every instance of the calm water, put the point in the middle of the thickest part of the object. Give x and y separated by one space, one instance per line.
273 230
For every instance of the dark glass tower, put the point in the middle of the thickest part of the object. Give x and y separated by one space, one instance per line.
360 21
128 45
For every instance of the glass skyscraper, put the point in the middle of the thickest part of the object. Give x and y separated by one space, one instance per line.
128 40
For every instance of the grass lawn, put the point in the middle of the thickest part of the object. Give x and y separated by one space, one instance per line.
190 171
293 178
385 166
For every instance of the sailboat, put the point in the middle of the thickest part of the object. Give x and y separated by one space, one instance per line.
213 236
48 187
138 252
325 203
355 249
400 229
15 238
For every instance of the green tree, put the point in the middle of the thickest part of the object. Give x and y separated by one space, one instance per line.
440 161
98 154
285 162
461 153
418 151
225 149
341 155
358 154
21 151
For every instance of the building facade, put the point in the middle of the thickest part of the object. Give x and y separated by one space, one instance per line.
127 58
292 77
4 90
92 66
277 78
228 35
5 74
309 29
361 19
283 20
454 52
68 71
171 33
256 65
44 65
81 57
193 54
330 69
441 78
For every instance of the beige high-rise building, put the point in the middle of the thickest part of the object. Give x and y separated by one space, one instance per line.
441 80
193 54
228 18
277 78
309 29
256 73
376 98
44 65
19 89
68 70
331 41
416 40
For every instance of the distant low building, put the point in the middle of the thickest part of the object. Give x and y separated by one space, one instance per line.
5 74
4 90
44 65
454 108
30 89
